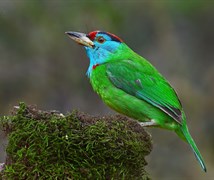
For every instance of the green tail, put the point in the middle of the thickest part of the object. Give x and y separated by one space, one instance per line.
188 138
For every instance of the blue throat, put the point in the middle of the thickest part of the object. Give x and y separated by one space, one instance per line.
100 54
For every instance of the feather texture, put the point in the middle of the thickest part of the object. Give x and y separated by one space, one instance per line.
135 80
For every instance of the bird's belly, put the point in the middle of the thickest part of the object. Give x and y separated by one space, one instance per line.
127 104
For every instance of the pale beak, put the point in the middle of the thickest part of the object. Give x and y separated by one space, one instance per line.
80 38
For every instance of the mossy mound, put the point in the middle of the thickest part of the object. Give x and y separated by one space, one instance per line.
48 145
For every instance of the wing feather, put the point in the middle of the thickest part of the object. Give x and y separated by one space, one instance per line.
147 84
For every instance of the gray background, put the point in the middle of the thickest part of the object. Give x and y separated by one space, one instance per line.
40 65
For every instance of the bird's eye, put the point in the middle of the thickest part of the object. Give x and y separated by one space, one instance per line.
100 39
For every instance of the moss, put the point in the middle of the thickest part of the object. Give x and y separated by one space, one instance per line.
48 145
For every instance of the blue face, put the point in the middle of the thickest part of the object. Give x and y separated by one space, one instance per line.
105 45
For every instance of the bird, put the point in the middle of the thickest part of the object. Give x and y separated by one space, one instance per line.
132 86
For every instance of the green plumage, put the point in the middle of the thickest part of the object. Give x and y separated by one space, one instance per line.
130 85
133 87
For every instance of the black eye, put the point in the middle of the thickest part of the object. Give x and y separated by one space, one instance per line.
100 39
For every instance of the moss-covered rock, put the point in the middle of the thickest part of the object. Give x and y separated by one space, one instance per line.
49 145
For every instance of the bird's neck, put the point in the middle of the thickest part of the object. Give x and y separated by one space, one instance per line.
101 56
97 57
91 68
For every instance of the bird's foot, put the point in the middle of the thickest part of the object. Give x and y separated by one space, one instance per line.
148 124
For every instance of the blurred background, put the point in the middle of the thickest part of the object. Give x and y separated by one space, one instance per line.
40 65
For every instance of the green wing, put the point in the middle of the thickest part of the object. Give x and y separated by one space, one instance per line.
144 82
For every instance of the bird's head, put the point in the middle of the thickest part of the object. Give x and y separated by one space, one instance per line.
100 46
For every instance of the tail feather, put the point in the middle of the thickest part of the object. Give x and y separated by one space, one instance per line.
191 142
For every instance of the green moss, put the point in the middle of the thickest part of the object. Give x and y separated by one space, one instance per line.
48 145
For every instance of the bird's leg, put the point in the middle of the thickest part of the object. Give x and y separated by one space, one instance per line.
148 124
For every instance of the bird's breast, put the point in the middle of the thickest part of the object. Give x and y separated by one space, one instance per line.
99 80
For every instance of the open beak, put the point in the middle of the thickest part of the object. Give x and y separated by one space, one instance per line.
80 38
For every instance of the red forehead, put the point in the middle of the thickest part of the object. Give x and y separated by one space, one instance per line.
93 34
